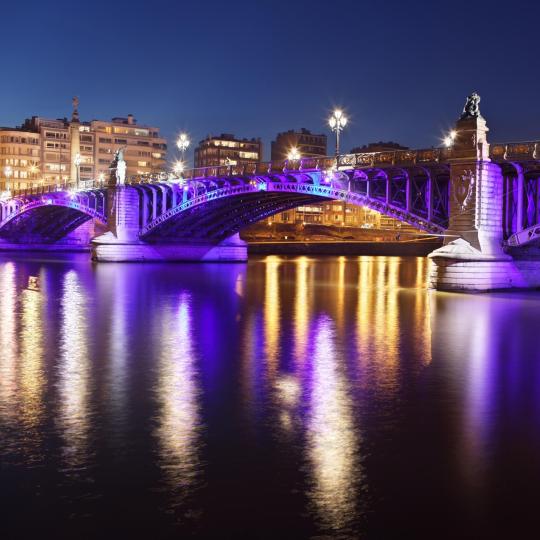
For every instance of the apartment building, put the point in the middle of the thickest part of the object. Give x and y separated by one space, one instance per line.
45 151
226 149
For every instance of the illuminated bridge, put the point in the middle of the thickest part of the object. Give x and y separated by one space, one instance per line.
484 200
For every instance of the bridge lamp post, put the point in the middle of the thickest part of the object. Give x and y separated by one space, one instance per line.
293 154
33 170
337 122
77 161
179 168
182 143
450 138
8 172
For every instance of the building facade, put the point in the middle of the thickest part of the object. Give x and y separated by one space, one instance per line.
306 143
44 152
333 213
226 149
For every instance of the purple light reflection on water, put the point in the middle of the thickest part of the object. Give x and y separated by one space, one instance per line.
304 396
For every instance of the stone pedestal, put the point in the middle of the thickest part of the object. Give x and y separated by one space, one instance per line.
108 248
473 257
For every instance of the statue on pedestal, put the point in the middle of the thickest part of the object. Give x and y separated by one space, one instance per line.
75 114
471 109
118 169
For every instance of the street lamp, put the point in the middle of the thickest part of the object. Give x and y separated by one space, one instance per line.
337 122
8 172
178 168
182 143
77 161
293 154
450 138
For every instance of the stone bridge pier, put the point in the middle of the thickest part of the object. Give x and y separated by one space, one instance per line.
122 242
475 256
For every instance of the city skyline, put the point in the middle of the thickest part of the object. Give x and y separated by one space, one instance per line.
405 88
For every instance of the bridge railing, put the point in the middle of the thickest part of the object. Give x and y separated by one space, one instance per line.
498 152
368 159
515 150
51 188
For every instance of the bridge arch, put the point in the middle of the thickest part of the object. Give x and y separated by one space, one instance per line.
49 217
217 209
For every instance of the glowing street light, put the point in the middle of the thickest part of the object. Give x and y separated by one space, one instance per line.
77 161
449 140
337 122
8 173
182 143
293 154
179 168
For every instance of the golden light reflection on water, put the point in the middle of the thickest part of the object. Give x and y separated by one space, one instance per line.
301 309
272 313
422 313
332 435
74 372
377 329
178 394
32 376
8 343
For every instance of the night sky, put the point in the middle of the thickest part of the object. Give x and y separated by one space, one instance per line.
401 70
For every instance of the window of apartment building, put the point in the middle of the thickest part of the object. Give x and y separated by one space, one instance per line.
120 141
55 167
87 148
142 163
156 155
248 155
55 135
143 154
103 140
86 138
143 143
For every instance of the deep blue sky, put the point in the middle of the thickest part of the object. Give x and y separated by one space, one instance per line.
400 69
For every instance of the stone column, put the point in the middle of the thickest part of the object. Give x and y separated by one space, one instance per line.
473 257
75 140
123 213
476 195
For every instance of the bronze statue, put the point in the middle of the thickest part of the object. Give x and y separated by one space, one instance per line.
471 109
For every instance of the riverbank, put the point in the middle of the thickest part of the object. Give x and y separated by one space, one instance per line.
405 248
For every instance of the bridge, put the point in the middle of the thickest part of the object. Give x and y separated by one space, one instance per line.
484 200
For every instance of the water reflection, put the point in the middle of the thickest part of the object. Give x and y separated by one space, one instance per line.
8 343
74 373
32 376
178 394
332 434
272 313
302 306
331 391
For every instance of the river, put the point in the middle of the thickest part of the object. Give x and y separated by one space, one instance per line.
302 397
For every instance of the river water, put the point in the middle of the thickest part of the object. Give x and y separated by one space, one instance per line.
285 398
